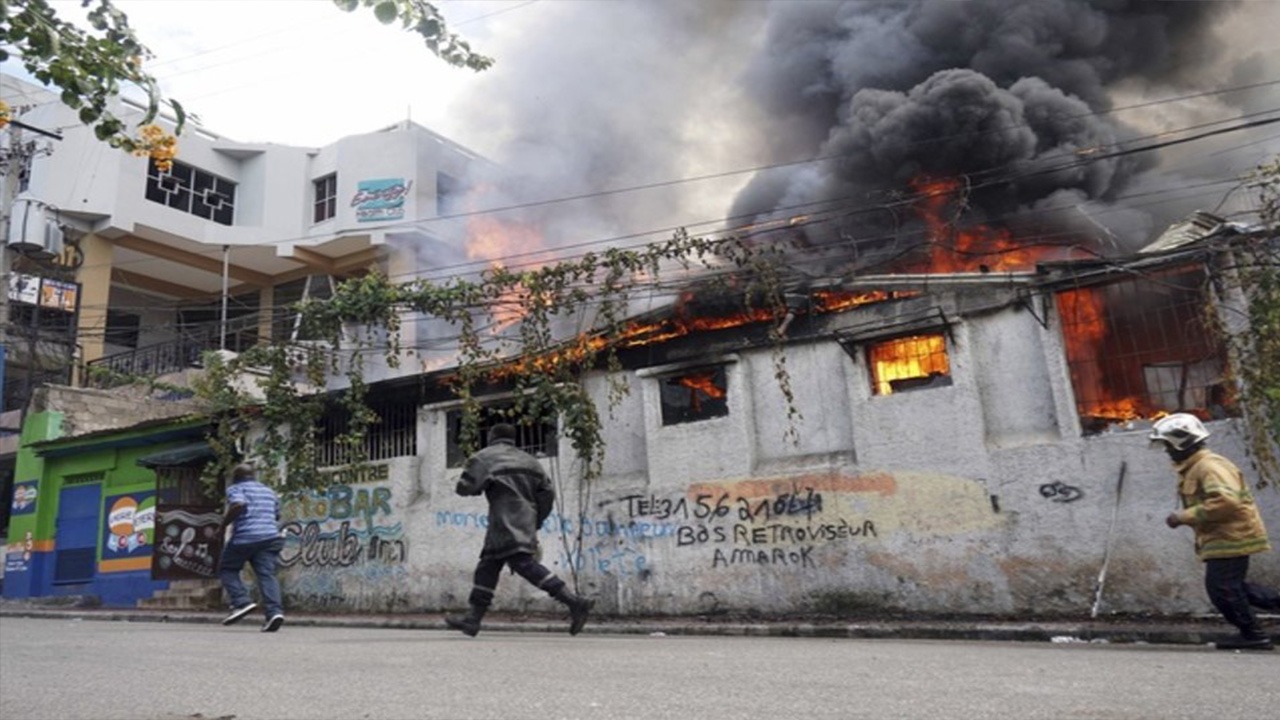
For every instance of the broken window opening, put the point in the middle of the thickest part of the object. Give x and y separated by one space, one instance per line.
694 395
539 439
1140 348
913 362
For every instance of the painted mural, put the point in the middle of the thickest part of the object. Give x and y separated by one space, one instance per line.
190 543
345 547
129 531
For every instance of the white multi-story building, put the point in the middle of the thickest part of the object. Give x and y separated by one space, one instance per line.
142 259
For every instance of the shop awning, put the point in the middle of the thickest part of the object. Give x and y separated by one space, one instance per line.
182 455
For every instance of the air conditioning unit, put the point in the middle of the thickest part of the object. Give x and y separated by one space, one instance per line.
32 230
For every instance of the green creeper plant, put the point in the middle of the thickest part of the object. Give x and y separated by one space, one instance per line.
541 369
424 19
1255 352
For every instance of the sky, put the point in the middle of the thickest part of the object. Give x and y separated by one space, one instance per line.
692 100
305 72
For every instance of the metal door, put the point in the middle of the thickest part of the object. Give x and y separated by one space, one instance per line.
76 539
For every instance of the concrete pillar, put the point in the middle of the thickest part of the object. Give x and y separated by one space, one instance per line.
94 277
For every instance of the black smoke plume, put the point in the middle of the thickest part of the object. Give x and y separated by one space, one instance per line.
1011 98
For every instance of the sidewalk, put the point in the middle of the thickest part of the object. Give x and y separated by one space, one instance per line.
1186 630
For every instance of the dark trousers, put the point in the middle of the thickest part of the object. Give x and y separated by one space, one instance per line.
1224 580
263 556
488 570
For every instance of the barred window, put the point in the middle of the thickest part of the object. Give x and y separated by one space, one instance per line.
536 438
1140 347
193 191
908 363
393 434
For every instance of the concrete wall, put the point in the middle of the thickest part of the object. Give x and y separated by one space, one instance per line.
977 497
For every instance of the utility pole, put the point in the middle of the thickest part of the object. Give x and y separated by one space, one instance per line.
13 157
16 159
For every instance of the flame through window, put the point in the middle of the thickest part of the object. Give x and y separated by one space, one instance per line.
908 362
697 394
1140 348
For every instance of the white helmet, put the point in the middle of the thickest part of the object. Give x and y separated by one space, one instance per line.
1179 430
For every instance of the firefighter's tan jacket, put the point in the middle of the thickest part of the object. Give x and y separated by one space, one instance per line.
1217 503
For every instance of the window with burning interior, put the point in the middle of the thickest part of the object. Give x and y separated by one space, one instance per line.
1140 348
909 363
536 438
693 395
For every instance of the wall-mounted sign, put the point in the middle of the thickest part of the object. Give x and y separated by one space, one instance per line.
383 199
24 497
45 292
129 531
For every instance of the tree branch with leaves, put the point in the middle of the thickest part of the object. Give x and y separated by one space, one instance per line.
90 67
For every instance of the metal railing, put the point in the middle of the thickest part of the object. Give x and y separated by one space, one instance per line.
174 355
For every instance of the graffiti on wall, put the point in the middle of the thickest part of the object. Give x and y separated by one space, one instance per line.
609 547
1060 492
345 546
762 522
795 523
743 523
342 527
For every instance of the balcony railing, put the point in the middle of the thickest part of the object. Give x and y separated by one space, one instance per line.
173 356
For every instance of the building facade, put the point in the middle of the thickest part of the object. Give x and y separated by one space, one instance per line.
965 443
970 443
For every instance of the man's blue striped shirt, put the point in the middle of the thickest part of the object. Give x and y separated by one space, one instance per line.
262 511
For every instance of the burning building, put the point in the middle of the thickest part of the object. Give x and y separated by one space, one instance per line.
956 446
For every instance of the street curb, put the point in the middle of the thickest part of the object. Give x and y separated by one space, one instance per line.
1187 633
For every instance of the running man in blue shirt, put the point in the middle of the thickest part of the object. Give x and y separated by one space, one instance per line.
253 512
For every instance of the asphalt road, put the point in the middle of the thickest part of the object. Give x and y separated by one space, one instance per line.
66 669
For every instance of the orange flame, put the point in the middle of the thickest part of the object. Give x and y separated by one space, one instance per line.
917 356
704 382
1084 329
491 239
972 249
838 300
701 382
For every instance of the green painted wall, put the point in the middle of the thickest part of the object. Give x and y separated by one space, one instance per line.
36 427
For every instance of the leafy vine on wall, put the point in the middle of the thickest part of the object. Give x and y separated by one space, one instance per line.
538 363
1256 346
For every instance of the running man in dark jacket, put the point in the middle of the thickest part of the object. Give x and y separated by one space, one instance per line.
520 497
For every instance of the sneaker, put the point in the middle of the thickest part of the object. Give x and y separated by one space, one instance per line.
1241 642
273 623
237 614
578 615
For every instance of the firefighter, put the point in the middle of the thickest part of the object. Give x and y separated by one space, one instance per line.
520 497
1217 504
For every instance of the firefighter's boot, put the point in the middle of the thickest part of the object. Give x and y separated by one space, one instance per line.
469 624
579 608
